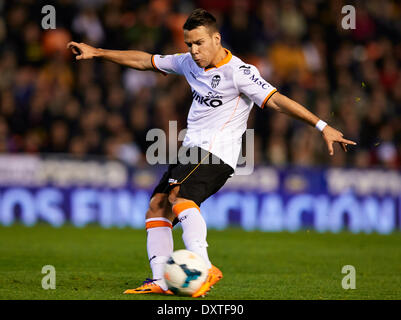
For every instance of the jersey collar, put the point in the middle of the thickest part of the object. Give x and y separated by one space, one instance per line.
222 62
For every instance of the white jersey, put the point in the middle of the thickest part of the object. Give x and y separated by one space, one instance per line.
222 100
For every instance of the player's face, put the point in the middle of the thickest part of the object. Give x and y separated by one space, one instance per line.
202 44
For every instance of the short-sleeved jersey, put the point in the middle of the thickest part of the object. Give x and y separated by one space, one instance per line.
222 100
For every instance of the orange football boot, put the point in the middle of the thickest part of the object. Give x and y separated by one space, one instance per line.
213 277
148 286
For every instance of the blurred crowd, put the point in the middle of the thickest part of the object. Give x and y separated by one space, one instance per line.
50 103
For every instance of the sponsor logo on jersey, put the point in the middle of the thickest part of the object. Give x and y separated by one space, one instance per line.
258 82
246 69
211 100
215 81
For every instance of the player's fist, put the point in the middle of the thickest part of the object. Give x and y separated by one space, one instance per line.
82 50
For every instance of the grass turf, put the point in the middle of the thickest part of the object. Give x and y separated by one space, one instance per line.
96 263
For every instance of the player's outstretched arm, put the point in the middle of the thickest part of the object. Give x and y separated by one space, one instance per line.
131 58
286 105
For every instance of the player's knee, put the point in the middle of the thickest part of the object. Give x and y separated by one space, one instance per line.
157 206
173 195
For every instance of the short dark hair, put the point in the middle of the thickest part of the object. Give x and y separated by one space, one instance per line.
200 17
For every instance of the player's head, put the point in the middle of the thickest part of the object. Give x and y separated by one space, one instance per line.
202 37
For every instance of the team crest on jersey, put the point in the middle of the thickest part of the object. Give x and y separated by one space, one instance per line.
215 81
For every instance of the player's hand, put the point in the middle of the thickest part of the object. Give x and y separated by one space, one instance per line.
82 50
331 135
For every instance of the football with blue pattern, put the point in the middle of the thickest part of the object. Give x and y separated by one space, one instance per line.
185 272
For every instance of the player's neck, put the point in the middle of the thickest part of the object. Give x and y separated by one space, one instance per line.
221 54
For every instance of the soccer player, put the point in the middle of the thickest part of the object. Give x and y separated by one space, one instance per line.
224 89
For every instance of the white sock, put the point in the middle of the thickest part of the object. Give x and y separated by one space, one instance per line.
194 231
160 246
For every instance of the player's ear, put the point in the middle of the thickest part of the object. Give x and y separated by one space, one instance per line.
216 38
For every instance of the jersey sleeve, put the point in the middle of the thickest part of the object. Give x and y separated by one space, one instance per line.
250 83
168 63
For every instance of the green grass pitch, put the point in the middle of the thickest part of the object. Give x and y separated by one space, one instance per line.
96 263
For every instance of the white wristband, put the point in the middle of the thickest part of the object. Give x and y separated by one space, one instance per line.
320 125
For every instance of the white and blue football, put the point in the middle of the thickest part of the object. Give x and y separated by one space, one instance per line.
185 272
